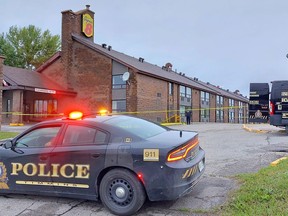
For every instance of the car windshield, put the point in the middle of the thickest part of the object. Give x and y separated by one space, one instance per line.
139 127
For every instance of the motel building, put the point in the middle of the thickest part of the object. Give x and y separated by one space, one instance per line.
90 77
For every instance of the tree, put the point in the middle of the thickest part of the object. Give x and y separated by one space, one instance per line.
28 47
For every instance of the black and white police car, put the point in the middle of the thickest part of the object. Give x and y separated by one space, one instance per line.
119 159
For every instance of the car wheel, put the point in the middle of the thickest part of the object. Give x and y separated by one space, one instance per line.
121 192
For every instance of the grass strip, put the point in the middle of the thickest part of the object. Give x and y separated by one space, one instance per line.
261 193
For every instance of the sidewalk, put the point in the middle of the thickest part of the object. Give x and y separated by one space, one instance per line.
262 128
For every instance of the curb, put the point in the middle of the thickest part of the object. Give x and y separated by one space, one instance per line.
171 124
254 130
16 124
276 162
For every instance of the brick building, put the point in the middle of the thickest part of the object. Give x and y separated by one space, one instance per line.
90 77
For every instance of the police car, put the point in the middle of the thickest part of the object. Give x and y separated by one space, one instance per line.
119 159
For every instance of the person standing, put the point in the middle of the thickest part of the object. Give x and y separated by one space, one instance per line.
188 117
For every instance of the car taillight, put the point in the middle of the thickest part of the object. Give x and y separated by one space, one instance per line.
181 152
272 108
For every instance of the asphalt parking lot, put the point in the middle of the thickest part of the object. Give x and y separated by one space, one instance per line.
230 149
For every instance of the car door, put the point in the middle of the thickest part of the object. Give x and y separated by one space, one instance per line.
81 158
27 162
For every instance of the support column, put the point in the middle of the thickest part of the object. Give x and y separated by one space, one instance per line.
17 107
2 58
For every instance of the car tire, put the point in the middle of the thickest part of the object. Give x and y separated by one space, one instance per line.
121 192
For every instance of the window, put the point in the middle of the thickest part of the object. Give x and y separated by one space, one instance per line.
219 115
240 105
188 92
117 82
205 96
185 92
136 126
205 113
45 106
231 102
39 137
83 135
182 91
118 105
171 88
219 100
231 116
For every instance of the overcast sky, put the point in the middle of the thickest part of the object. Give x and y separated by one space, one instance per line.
229 43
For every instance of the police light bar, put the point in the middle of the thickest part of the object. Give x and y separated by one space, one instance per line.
103 112
75 115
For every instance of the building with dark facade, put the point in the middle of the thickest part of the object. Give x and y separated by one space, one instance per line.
89 77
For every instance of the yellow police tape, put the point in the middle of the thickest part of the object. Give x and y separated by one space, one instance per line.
135 112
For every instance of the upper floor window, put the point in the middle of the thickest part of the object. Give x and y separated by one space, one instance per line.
188 92
219 100
231 102
117 82
182 91
205 96
171 88
185 92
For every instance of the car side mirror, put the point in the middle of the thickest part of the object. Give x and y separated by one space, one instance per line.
8 144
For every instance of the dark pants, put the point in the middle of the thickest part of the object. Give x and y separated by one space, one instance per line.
188 120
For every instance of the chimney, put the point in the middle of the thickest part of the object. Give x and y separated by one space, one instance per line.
81 23
73 23
168 66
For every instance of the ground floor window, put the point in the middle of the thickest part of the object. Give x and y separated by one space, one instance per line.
183 111
219 115
45 106
231 116
119 106
205 115
241 117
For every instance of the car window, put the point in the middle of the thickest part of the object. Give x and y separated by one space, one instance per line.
137 126
82 135
40 137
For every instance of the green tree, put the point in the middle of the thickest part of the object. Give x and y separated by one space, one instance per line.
28 47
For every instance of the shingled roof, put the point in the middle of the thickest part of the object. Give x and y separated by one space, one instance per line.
140 66
18 78
149 69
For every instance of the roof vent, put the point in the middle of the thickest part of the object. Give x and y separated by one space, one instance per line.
104 45
141 59
208 83
87 7
109 48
